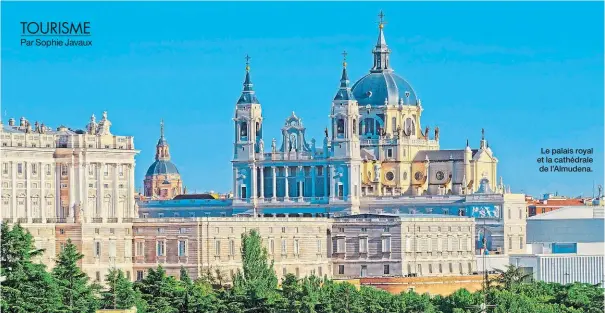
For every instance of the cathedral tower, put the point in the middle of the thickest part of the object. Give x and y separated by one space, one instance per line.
162 180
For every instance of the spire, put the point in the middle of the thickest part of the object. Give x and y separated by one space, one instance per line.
344 92
162 151
483 144
248 96
381 51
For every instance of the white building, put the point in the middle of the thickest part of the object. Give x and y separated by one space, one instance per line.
562 268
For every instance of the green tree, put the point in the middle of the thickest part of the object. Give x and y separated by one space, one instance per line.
512 277
257 282
196 296
27 287
77 294
121 293
160 292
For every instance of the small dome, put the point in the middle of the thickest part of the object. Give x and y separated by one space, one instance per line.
162 168
374 88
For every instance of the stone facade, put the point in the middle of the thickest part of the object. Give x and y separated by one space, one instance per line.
371 245
296 245
76 184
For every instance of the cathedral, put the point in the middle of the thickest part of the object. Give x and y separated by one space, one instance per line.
376 146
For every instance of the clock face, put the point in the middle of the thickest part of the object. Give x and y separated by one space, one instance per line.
390 176
418 176
440 175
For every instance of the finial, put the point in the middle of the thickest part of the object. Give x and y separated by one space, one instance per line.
467 142
248 63
162 128
344 58
482 133
382 22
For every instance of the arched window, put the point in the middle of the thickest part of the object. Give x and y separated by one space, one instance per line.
340 127
244 129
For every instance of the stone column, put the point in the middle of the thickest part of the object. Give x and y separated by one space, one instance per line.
100 171
83 191
58 204
42 198
262 182
313 170
28 192
131 203
274 182
72 188
326 174
286 195
115 190
235 192
253 191
13 166
301 176
332 182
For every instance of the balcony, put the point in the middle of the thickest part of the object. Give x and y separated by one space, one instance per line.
37 220
8 220
97 220
112 220
127 220
22 220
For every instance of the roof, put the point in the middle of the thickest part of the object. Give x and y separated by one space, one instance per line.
375 88
441 155
571 212
402 215
161 167
208 196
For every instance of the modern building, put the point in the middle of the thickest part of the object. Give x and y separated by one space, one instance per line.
162 180
562 268
372 245
297 245
65 183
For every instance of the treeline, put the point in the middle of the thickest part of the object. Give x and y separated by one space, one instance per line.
29 287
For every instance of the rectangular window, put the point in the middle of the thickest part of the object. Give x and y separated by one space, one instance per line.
284 271
318 245
160 248
90 170
363 245
520 214
139 248
232 248
47 169
98 276
4 168
121 170
271 246
112 231
283 229
19 168
35 169
217 248
389 153
139 275
364 271
319 272
182 248
106 171
521 242
284 249
386 244
341 269
364 230
386 270
160 230
510 243
296 247
340 245
97 249
320 171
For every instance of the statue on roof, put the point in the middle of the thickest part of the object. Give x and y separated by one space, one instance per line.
437 133
326 132
261 146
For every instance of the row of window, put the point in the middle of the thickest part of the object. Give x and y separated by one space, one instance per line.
408 229
385 245
217 230
21 167
363 269
510 242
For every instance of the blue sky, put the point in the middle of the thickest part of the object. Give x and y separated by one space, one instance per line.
531 74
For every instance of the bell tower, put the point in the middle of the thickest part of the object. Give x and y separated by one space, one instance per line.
247 122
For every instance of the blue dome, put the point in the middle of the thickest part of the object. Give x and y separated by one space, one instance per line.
375 87
161 168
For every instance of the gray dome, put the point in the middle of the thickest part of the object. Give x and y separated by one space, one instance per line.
162 168
374 88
